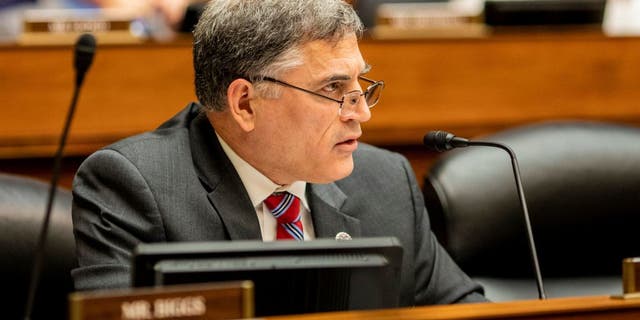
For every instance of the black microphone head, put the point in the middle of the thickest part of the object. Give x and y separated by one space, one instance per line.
84 51
438 140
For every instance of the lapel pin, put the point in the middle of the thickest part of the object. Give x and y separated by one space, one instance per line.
343 236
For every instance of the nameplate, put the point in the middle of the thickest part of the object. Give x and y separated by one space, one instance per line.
427 20
63 26
223 300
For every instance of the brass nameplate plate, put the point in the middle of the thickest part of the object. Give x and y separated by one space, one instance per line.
63 26
224 300
428 20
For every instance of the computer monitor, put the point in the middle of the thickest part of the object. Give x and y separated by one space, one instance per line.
290 277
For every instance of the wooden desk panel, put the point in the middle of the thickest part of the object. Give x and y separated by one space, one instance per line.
584 308
470 87
129 89
477 86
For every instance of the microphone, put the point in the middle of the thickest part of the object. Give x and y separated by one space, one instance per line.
84 50
83 56
443 141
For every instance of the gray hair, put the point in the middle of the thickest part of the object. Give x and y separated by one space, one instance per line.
255 38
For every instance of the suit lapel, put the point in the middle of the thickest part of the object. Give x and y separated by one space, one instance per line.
325 202
227 194
233 205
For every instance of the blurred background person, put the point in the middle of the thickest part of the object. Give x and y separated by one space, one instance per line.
160 16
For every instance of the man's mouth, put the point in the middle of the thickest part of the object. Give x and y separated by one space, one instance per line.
348 144
349 141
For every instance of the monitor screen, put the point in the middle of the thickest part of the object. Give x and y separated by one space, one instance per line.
290 277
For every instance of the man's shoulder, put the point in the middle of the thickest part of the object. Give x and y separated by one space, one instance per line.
368 154
163 151
379 177
374 161
172 132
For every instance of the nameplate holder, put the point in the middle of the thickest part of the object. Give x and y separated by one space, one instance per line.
453 19
221 300
630 279
63 26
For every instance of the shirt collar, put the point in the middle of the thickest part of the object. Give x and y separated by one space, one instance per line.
258 186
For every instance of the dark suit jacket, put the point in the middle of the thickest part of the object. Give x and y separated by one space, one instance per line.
177 184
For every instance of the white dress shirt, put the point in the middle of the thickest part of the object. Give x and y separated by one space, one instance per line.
259 187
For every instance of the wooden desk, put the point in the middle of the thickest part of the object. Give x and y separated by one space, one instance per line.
470 87
583 308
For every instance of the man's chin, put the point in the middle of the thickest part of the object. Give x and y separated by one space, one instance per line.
337 172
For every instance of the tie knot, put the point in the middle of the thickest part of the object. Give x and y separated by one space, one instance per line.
284 206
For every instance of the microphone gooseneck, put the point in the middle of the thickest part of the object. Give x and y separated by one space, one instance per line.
443 141
84 50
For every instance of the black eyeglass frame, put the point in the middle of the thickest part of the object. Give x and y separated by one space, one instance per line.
369 89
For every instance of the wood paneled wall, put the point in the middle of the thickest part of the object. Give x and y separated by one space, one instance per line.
468 86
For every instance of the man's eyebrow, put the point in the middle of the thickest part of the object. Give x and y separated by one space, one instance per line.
338 77
343 77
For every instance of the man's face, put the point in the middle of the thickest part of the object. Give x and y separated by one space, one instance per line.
302 136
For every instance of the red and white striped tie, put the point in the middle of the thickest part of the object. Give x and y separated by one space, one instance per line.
285 207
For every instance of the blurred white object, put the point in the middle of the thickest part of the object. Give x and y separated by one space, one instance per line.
622 18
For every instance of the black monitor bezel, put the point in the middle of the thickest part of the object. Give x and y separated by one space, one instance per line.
146 256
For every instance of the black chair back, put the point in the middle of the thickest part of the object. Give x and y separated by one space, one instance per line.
22 205
582 184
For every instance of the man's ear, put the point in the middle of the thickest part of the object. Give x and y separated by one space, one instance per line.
239 95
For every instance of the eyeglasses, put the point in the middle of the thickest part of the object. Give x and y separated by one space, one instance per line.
349 102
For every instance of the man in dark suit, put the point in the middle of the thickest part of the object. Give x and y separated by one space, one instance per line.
282 95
